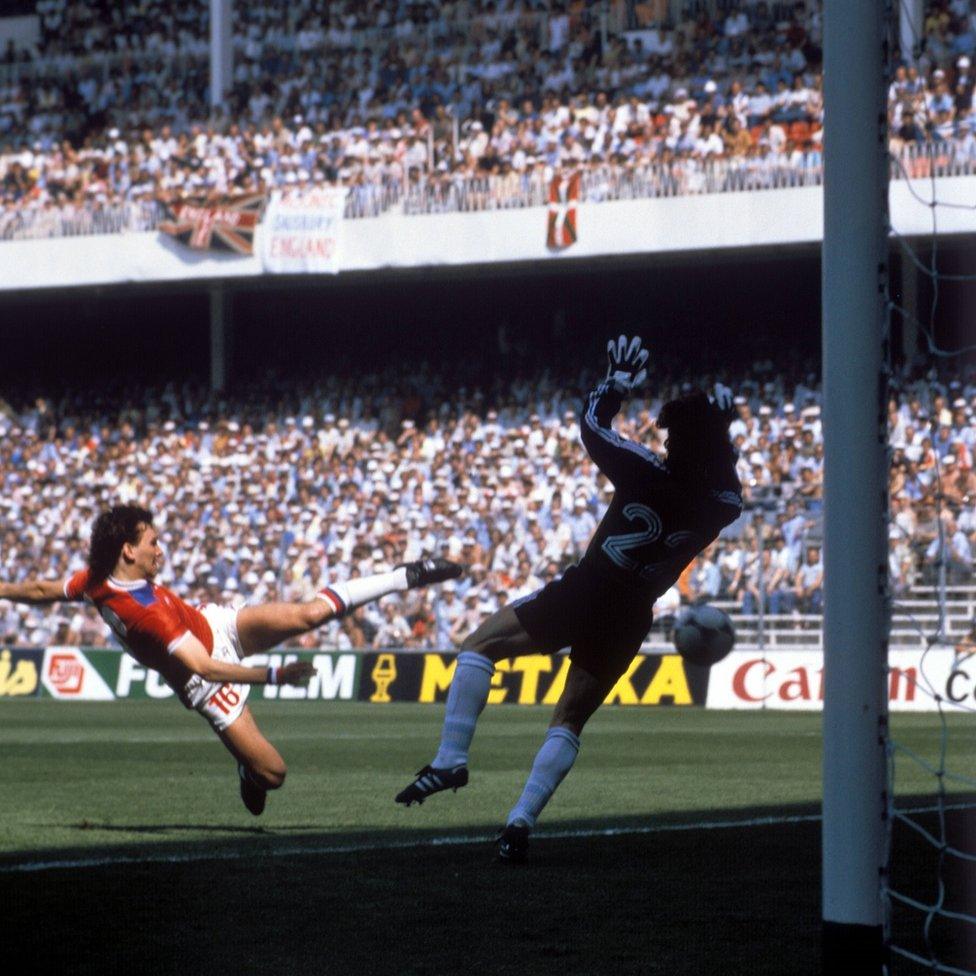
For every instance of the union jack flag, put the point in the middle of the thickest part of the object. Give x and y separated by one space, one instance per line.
223 224
563 197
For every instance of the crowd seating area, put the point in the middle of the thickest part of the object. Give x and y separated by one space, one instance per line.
464 105
269 496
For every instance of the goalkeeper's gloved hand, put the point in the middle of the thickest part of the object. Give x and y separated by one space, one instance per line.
627 364
723 402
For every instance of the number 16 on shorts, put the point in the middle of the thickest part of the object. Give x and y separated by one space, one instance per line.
224 704
225 699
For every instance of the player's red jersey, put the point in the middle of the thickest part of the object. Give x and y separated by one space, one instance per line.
150 620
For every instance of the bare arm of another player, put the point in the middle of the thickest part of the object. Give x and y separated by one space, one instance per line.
194 656
35 591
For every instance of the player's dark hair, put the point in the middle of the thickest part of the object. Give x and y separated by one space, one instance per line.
698 443
111 531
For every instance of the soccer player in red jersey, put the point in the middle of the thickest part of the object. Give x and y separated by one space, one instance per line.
198 651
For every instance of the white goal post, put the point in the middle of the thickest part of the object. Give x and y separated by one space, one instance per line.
855 267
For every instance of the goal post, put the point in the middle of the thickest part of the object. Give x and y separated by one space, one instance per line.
854 273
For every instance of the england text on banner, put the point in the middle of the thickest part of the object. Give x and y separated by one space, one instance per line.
302 231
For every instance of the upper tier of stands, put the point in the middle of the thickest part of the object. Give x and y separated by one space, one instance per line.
437 107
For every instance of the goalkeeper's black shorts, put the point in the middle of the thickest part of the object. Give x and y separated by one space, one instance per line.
602 622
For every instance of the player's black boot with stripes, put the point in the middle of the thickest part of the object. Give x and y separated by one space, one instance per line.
513 843
430 781
423 572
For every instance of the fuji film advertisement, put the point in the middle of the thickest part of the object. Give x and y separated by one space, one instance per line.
337 677
69 675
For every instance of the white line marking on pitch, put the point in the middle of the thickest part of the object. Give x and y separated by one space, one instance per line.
451 840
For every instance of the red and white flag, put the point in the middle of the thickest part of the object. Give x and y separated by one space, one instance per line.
563 197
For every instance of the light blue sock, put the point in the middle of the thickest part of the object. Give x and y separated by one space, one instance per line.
553 761
465 701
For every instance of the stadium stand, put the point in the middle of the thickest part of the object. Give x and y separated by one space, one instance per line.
458 106
350 477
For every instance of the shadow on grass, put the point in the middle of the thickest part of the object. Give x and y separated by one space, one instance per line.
725 891
238 841
95 827
673 899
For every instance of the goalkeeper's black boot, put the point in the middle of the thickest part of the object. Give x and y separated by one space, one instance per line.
430 781
254 796
513 843
423 572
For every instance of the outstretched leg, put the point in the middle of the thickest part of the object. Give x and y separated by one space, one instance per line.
501 635
262 627
259 628
267 625
581 697
259 764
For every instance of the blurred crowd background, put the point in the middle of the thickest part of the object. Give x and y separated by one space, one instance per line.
271 494
463 105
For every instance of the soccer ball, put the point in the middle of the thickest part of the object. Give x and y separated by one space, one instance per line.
703 635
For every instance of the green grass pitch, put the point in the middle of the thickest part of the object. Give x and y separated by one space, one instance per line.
684 841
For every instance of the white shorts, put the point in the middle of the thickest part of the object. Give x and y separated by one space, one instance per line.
220 704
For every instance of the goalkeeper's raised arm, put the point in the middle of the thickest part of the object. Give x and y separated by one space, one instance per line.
623 461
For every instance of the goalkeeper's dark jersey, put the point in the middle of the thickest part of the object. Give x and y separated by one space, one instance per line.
655 524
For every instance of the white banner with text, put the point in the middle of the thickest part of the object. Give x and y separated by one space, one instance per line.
305 238
794 680
302 232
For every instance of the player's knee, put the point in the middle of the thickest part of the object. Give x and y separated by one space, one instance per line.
500 636
485 646
472 643
315 614
568 719
271 775
572 713
488 642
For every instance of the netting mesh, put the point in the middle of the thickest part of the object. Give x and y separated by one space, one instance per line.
930 912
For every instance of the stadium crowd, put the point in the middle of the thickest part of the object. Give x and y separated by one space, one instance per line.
272 495
462 105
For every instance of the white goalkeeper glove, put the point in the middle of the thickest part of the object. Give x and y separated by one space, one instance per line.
723 401
627 364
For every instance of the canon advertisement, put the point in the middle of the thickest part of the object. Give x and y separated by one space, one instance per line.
795 680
